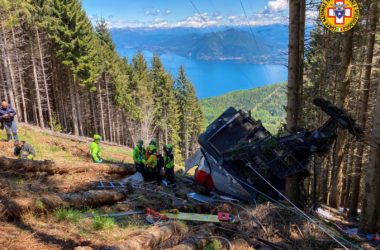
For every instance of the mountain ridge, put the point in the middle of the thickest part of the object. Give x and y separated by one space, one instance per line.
266 45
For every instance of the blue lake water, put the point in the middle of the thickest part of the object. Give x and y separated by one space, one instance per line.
213 78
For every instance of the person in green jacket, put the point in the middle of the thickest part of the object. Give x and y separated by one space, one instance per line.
139 156
95 150
169 164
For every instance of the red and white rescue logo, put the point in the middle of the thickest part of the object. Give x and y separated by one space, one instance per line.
339 15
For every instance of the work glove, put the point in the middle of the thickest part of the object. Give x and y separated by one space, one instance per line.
143 162
99 161
30 157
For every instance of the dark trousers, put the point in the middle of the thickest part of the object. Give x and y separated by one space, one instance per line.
11 128
151 174
139 167
169 172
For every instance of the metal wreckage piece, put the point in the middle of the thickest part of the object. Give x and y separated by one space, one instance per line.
236 147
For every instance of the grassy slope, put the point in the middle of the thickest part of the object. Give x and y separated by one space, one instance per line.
49 147
266 103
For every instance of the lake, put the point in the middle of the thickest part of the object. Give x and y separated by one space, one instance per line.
213 78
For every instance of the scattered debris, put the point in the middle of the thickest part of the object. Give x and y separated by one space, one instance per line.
135 179
121 214
210 199
220 217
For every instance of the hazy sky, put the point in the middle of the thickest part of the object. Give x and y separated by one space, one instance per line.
187 13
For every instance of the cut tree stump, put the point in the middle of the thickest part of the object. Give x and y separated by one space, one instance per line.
51 168
92 198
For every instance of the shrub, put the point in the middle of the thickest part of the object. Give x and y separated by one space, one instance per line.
103 223
213 245
67 214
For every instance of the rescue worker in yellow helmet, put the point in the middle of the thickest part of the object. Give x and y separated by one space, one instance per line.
24 150
152 142
154 165
139 156
169 164
95 150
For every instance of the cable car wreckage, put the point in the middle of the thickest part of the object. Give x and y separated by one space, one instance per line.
239 157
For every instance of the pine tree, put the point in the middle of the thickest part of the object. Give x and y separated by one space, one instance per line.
164 105
104 34
190 113
142 97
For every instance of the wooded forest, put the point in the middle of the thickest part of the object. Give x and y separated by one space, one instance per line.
265 103
60 72
343 68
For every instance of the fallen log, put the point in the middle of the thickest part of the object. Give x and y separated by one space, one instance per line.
197 242
191 244
51 168
26 165
126 169
153 237
240 244
92 198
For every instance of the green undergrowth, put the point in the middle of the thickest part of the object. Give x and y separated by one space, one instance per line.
103 223
213 245
68 214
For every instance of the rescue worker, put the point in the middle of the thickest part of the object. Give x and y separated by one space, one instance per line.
7 114
139 156
154 165
169 164
24 150
95 149
152 142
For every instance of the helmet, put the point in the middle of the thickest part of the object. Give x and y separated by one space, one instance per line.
168 147
97 137
153 142
152 148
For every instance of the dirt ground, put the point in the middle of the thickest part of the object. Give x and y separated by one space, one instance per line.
261 227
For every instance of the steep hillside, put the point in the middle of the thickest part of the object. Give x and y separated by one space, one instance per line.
266 103
58 204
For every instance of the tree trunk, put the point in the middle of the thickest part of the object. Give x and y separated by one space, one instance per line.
44 78
101 111
18 206
342 102
363 114
110 124
7 68
78 108
37 90
153 237
74 113
25 118
368 219
295 72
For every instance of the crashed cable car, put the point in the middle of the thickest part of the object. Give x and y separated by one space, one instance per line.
239 157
